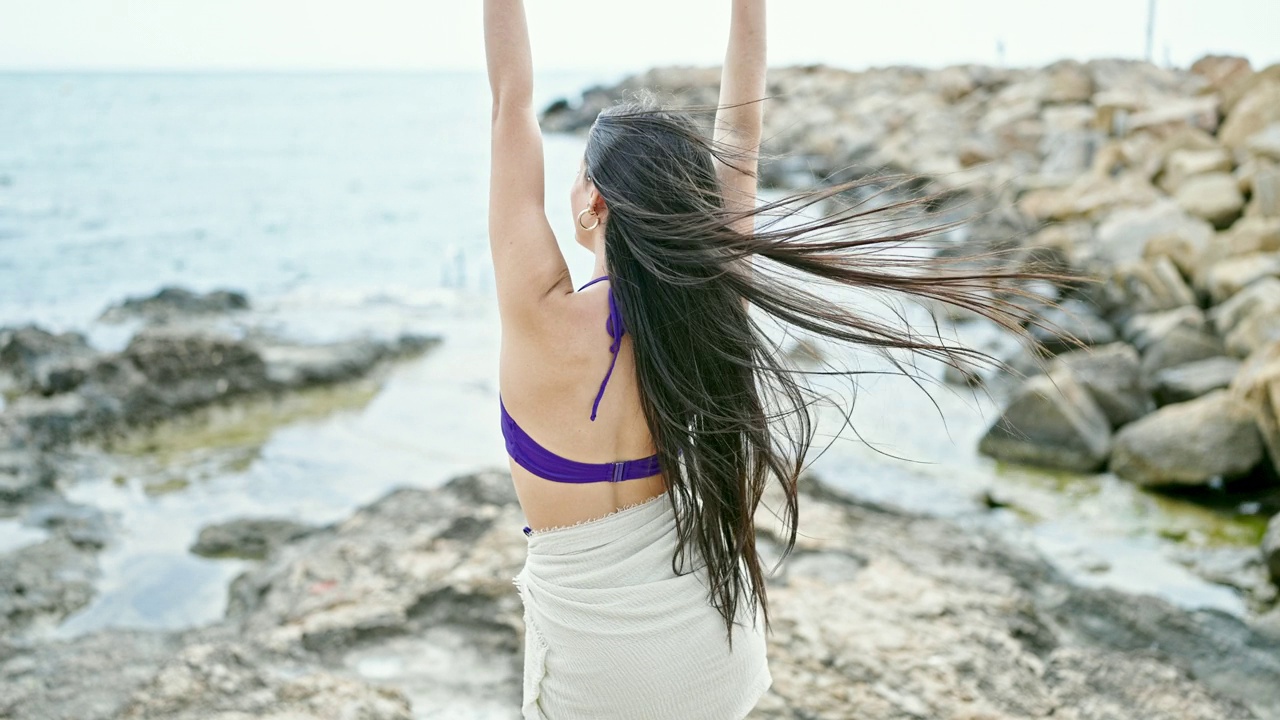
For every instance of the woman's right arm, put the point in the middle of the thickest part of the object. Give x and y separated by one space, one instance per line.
742 84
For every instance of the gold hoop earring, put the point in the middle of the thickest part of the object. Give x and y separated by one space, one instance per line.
584 212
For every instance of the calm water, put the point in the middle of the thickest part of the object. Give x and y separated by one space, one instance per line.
355 203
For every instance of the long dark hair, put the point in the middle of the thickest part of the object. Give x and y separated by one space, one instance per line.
726 407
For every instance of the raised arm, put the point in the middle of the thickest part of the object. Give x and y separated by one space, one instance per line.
527 263
742 80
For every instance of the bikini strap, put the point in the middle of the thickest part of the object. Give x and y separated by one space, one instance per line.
616 329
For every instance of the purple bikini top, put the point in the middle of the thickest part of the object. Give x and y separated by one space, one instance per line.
545 464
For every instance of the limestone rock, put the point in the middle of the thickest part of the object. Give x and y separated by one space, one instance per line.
1213 196
1192 380
1152 285
1182 344
1182 165
1250 319
1254 112
1051 421
1123 234
1258 385
172 303
1111 375
1230 276
1189 443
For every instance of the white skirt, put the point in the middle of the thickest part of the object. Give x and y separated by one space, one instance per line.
612 632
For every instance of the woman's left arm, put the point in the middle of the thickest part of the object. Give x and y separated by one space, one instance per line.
527 263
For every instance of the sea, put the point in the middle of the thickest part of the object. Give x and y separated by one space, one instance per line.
354 204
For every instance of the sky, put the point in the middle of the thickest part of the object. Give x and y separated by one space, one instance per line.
613 35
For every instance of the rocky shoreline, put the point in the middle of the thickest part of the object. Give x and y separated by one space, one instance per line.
878 614
63 396
1162 185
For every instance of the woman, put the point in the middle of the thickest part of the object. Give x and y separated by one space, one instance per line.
645 410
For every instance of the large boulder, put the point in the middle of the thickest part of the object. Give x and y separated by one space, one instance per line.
1250 319
1214 197
1232 275
1124 233
1181 165
1257 384
1112 375
1256 110
1052 421
1069 325
1189 443
1192 380
1182 344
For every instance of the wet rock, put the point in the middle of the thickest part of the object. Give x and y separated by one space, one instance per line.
1051 421
305 365
24 475
35 360
84 525
1271 549
251 538
175 303
1111 374
44 582
1188 382
1189 443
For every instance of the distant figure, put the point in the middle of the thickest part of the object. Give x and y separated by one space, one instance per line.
646 409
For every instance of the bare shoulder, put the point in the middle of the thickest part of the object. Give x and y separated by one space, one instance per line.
560 337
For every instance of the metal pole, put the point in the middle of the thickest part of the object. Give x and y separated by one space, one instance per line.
1151 27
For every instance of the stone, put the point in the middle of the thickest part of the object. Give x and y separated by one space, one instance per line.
1250 319
172 303
1152 285
1179 346
1143 330
1111 374
37 360
1222 70
1073 322
1069 82
1257 384
1265 143
1192 380
1230 276
1258 108
1214 196
1181 165
1265 201
44 582
1089 196
1051 421
1189 443
251 538
1271 549
1123 234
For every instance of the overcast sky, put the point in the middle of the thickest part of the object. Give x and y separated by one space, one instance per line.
616 36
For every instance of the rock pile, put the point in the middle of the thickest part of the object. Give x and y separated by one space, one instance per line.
1163 185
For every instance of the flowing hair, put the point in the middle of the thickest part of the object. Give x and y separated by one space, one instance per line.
726 407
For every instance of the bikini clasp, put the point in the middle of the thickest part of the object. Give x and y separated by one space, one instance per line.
618 468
